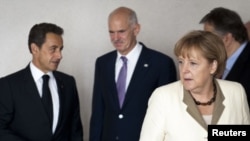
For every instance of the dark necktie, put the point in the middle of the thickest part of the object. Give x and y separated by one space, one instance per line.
46 98
121 81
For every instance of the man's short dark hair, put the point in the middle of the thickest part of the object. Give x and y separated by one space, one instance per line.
38 33
226 21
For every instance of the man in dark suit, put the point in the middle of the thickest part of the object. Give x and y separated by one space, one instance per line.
23 115
228 25
147 69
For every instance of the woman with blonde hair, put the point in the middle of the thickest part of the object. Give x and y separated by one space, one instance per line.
182 110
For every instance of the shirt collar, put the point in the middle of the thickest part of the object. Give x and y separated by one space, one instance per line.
37 73
231 60
133 53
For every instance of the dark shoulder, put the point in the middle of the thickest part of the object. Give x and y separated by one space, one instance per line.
107 55
16 76
154 53
159 54
62 75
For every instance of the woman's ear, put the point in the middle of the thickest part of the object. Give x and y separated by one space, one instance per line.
214 67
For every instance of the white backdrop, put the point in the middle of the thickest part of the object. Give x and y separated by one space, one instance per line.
86 36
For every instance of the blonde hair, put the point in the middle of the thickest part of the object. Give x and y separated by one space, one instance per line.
210 45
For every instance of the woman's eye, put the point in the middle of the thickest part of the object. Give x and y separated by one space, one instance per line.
193 63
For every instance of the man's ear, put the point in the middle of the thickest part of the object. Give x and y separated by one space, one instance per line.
137 29
227 39
34 48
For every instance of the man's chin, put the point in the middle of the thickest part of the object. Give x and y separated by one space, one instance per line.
119 47
54 68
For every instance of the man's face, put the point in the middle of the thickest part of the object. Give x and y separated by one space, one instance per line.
122 33
48 57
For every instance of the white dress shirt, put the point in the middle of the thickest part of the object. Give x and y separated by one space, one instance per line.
37 76
132 57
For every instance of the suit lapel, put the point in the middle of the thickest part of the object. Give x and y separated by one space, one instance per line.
32 91
60 87
111 84
218 104
192 109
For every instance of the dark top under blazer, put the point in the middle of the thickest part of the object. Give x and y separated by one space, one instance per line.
240 71
23 117
108 121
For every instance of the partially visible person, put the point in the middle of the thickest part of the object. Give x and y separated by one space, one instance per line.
247 25
228 25
183 110
120 118
25 114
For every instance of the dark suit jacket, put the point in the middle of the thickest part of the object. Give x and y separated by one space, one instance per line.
23 117
240 71
108 121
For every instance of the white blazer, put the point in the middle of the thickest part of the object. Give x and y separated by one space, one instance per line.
173 116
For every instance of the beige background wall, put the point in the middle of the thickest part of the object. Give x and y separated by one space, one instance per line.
86 36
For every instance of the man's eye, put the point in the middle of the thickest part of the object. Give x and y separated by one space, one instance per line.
122 31
52 49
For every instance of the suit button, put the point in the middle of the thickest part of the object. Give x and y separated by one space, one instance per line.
117 138
120 116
